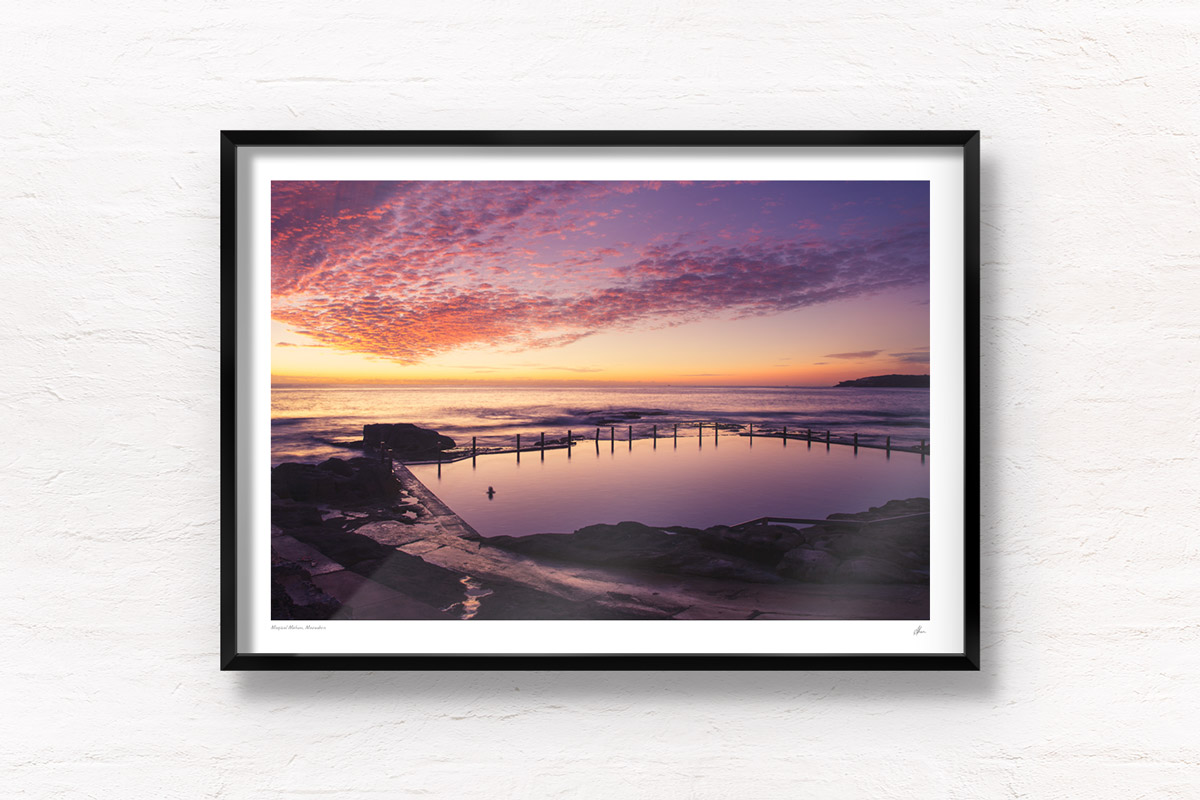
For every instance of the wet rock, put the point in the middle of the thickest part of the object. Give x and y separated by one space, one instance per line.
405 440
614 417
415 577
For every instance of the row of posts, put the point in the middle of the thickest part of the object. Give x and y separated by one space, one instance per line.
808 435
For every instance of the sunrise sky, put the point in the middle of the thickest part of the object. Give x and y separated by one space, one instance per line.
770 283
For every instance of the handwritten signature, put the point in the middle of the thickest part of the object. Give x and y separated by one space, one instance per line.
919 630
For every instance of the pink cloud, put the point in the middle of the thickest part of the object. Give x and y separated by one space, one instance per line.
407 271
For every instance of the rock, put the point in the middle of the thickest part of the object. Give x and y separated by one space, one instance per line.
602 417
512 601
337 466
414 577
345 548
294 596
869 544
872 570
734 569
895 536
359 480
762 543
888 382
287 514
895 549
632 545
405 440
808 564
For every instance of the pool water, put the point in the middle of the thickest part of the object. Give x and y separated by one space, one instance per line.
692 481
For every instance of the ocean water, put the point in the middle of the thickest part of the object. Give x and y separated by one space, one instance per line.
306 421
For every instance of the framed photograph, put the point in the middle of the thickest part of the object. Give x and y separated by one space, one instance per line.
600 400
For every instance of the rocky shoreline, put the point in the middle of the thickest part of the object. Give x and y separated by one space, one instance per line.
364 539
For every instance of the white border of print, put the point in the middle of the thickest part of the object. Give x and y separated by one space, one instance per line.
942 632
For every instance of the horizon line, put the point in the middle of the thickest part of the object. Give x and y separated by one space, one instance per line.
502 384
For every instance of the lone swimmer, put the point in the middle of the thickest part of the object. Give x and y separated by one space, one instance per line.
490 492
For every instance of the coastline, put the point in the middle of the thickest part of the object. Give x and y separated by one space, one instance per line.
315 425
363 539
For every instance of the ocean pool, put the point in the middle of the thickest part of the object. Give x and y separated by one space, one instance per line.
692 481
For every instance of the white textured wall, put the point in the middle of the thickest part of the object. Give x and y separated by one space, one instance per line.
109 234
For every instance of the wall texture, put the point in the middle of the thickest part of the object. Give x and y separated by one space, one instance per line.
109 220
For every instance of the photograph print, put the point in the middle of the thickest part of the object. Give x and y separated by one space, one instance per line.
600 400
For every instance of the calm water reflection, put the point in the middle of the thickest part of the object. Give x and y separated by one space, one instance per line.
694 482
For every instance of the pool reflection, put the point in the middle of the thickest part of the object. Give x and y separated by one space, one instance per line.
737 480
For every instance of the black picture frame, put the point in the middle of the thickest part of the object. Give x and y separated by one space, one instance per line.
234 513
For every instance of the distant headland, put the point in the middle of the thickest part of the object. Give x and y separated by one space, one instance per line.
889 382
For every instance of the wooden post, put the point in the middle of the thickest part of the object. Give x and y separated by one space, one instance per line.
785 434
676 434
716 430
472 447
543 444
751 430
826 439
809 432
700 429
654 433
631 433
612 433
889 445
568 444
518 445
922 447
856 442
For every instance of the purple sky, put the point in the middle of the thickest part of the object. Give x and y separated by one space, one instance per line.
408 279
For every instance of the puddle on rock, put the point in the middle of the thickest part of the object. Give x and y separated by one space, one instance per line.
474 598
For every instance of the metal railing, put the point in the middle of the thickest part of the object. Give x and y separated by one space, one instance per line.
702 428
857 523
